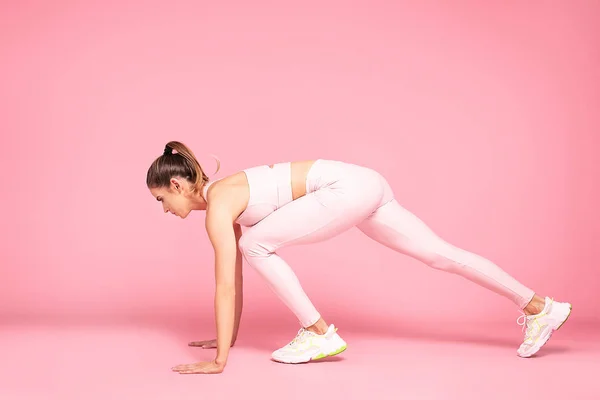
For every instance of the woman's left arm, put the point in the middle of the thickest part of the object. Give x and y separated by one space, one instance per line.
219 226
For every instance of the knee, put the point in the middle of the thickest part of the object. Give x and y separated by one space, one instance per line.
442 263
447 261
252 246
245 244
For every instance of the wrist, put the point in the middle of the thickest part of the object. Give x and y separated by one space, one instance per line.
221 362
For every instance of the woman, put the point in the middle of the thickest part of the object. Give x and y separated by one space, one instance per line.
309 201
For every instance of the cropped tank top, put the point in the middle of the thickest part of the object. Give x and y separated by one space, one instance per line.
270 189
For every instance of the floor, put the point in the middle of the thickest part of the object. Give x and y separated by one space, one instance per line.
131 359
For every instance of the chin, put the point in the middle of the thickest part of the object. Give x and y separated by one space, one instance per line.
185 215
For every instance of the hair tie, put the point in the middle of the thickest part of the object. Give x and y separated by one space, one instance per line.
168 150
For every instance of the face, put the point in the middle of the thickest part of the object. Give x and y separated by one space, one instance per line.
175 199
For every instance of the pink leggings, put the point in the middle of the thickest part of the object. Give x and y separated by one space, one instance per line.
338 197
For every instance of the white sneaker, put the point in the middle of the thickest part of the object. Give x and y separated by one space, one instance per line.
308 346
539 327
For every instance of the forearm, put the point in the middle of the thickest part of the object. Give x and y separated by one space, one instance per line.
225 298
239 297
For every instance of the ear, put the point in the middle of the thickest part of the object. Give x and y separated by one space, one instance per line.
176 184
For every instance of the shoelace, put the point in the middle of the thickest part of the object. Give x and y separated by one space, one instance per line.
302 333
528 322
524 322
525 326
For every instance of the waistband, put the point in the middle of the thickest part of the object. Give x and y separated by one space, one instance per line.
283 178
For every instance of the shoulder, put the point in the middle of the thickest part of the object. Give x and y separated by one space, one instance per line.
221 186
228 195
216 193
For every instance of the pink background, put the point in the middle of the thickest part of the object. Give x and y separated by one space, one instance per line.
483 117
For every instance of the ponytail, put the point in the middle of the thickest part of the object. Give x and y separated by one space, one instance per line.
183 163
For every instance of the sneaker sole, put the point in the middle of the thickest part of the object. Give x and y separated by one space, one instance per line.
568 315
542 342
319 356
334 353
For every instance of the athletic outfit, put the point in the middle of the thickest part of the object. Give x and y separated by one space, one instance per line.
340 196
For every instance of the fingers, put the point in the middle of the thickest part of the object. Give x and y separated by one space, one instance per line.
191 371
199 343
184 367
196 368
205 344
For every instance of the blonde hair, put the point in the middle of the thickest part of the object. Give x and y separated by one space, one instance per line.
183 164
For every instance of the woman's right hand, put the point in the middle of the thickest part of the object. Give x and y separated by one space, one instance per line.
206 344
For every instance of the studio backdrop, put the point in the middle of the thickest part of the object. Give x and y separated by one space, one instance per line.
483 118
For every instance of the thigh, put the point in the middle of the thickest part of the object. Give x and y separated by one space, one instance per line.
314 217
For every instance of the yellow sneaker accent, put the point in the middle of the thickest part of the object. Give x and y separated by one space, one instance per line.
307 346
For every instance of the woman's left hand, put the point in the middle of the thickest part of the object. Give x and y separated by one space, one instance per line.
202 367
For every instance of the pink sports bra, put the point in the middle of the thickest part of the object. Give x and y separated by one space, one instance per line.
270 189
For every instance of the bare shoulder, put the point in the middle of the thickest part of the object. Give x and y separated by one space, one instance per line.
228 195
302 163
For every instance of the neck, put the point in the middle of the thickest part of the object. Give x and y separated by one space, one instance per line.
197 201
